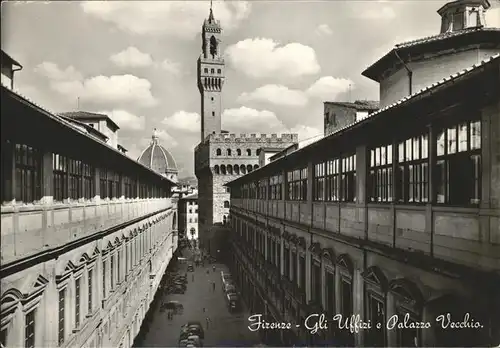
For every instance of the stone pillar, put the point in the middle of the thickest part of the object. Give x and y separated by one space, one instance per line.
338 304
358 303
362 157
266 246
392 338
310 180
282 255
47 184
51 305
97 186
323 285
427 336
308 274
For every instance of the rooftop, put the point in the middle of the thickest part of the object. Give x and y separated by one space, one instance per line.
8 59
85 115
446 82
369 105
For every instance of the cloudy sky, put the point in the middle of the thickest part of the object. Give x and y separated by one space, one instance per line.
137 60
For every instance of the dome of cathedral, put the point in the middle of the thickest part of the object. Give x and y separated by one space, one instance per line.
159 159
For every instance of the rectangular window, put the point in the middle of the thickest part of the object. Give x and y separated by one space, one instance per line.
319 182
103 183
333 180
114 189
348 181
261 193
104 279
88 181
28 174
381 189
412 176
60 172
29 329
75 172
346 293
62 307
77 302
376 314
330 293
90 293
302 273
112 270
316 282
297 185
458 164
7 152
275 183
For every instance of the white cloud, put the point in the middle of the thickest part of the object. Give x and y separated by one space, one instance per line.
492 17
171 67
98 89
183 121
126 120
259 58
53 72
375 11
323 29
175 18
247 120
328 87
132 57
276 94
307 134
166 140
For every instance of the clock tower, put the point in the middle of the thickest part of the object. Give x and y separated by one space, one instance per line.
210 76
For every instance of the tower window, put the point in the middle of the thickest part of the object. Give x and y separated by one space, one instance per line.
228 152
219 71
249 152
206 70
238 152
219 152
213 113
212 71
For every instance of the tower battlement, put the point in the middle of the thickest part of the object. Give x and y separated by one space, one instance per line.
251 138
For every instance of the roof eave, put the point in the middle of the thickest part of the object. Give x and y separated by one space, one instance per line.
68 124
373 71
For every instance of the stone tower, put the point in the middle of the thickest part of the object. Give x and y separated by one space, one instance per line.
210 76
221 156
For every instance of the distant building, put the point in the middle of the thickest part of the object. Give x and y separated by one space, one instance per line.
188 217
159 159
8 68
221 156
392 217
87 232
342 114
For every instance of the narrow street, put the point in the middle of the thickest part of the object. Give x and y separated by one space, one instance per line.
225 329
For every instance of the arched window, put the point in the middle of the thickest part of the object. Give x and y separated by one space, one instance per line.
213 46
255 167
243 169
218 152
230 169
216 169
219 71
223 169
258 152
190 220
226 204
249 152
206 70
238 152
249 168
212 71
236 170
228 151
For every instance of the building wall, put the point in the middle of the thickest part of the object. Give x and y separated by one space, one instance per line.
192 219
208 167
366 243
337 117
110 318
429 70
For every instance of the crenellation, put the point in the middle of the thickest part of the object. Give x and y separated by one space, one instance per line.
251 138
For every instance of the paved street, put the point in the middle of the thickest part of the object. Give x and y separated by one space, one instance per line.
225 329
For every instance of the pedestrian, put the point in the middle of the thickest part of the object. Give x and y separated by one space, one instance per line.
203 309
213 268
213 286
208 321
208 271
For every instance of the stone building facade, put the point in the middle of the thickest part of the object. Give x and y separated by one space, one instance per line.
393 218
341 114
87 233
220 156
188 217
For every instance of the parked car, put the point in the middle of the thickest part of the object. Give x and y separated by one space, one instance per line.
195 340
233 302
229 288
226 277
190 268
192 328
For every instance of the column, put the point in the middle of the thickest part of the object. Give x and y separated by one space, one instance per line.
338 289
427 336
97 186
358 299
308 274
392 338
323 285
51 310
282 254
47 184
